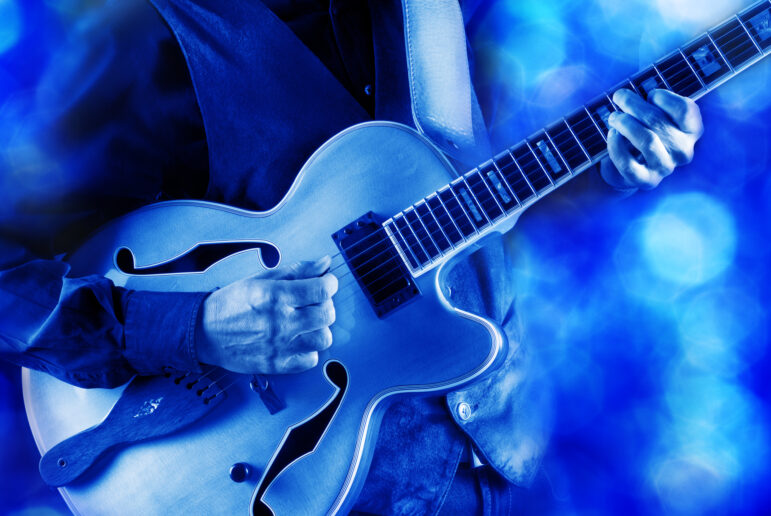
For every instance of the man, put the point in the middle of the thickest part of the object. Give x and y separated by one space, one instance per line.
182 102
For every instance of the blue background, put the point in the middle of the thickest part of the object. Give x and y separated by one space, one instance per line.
647 316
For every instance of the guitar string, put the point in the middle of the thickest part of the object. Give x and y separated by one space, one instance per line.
449 211
431 234
578 134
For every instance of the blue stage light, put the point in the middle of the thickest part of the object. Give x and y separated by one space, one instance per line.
10 24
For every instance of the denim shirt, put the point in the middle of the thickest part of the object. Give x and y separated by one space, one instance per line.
211 100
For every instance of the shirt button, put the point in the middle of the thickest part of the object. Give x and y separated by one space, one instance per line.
368 90
463 410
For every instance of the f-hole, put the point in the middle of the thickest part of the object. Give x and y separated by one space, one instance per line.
198 258
302 439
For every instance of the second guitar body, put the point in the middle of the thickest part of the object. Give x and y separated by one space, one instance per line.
425 345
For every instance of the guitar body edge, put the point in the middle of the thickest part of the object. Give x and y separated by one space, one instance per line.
428 346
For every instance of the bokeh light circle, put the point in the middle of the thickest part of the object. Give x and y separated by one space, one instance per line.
689 239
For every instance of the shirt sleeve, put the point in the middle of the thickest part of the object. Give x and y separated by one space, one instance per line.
88 332
112 125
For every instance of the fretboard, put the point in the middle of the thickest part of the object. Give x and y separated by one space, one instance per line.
448 220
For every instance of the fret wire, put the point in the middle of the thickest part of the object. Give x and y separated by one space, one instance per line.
704 86
572 146
417 215
475 198
470 220
720 52
580 145
564 161
749 35
456 212
548 176
425 201
580 133
663 80
506 182
428 232
406 242
595 124
450 216
612 104
633 87
479 173
734 38
409 225
522 172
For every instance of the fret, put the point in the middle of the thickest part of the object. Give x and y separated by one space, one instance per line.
625 84
534 174
402 244
497 185
760 50
483 195
757 20
647 81
680 76
663 80
432 226
499 173
451 230
734 43
720 52
462 191
412 241
587 132
548 156
514 178
421 233
600 110
706 61
457 212
698 77
568 144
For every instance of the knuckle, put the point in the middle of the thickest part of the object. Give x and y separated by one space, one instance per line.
328 313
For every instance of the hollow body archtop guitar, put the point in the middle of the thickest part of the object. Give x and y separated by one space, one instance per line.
395 215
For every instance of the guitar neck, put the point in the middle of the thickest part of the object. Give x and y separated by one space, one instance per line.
444 223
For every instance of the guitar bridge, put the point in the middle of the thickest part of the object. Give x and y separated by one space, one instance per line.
376 264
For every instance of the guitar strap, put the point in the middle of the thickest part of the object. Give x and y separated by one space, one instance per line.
444 105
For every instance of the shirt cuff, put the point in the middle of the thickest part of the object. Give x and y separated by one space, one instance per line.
160 331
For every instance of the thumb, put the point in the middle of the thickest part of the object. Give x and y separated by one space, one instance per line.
300 270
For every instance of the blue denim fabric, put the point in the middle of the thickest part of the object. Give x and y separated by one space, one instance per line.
250 77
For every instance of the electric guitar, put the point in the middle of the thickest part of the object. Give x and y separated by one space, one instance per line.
395 215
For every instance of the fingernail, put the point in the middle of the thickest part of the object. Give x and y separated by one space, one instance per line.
612 133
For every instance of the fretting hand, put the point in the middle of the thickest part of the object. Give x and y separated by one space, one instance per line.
271 323
664 130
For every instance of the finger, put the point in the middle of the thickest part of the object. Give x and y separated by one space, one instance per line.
299 270
647 113
311 291
646 141
297 363
684 112
628 172
314 317
622 160
318 340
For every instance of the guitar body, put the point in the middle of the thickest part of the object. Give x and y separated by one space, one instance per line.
425 346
